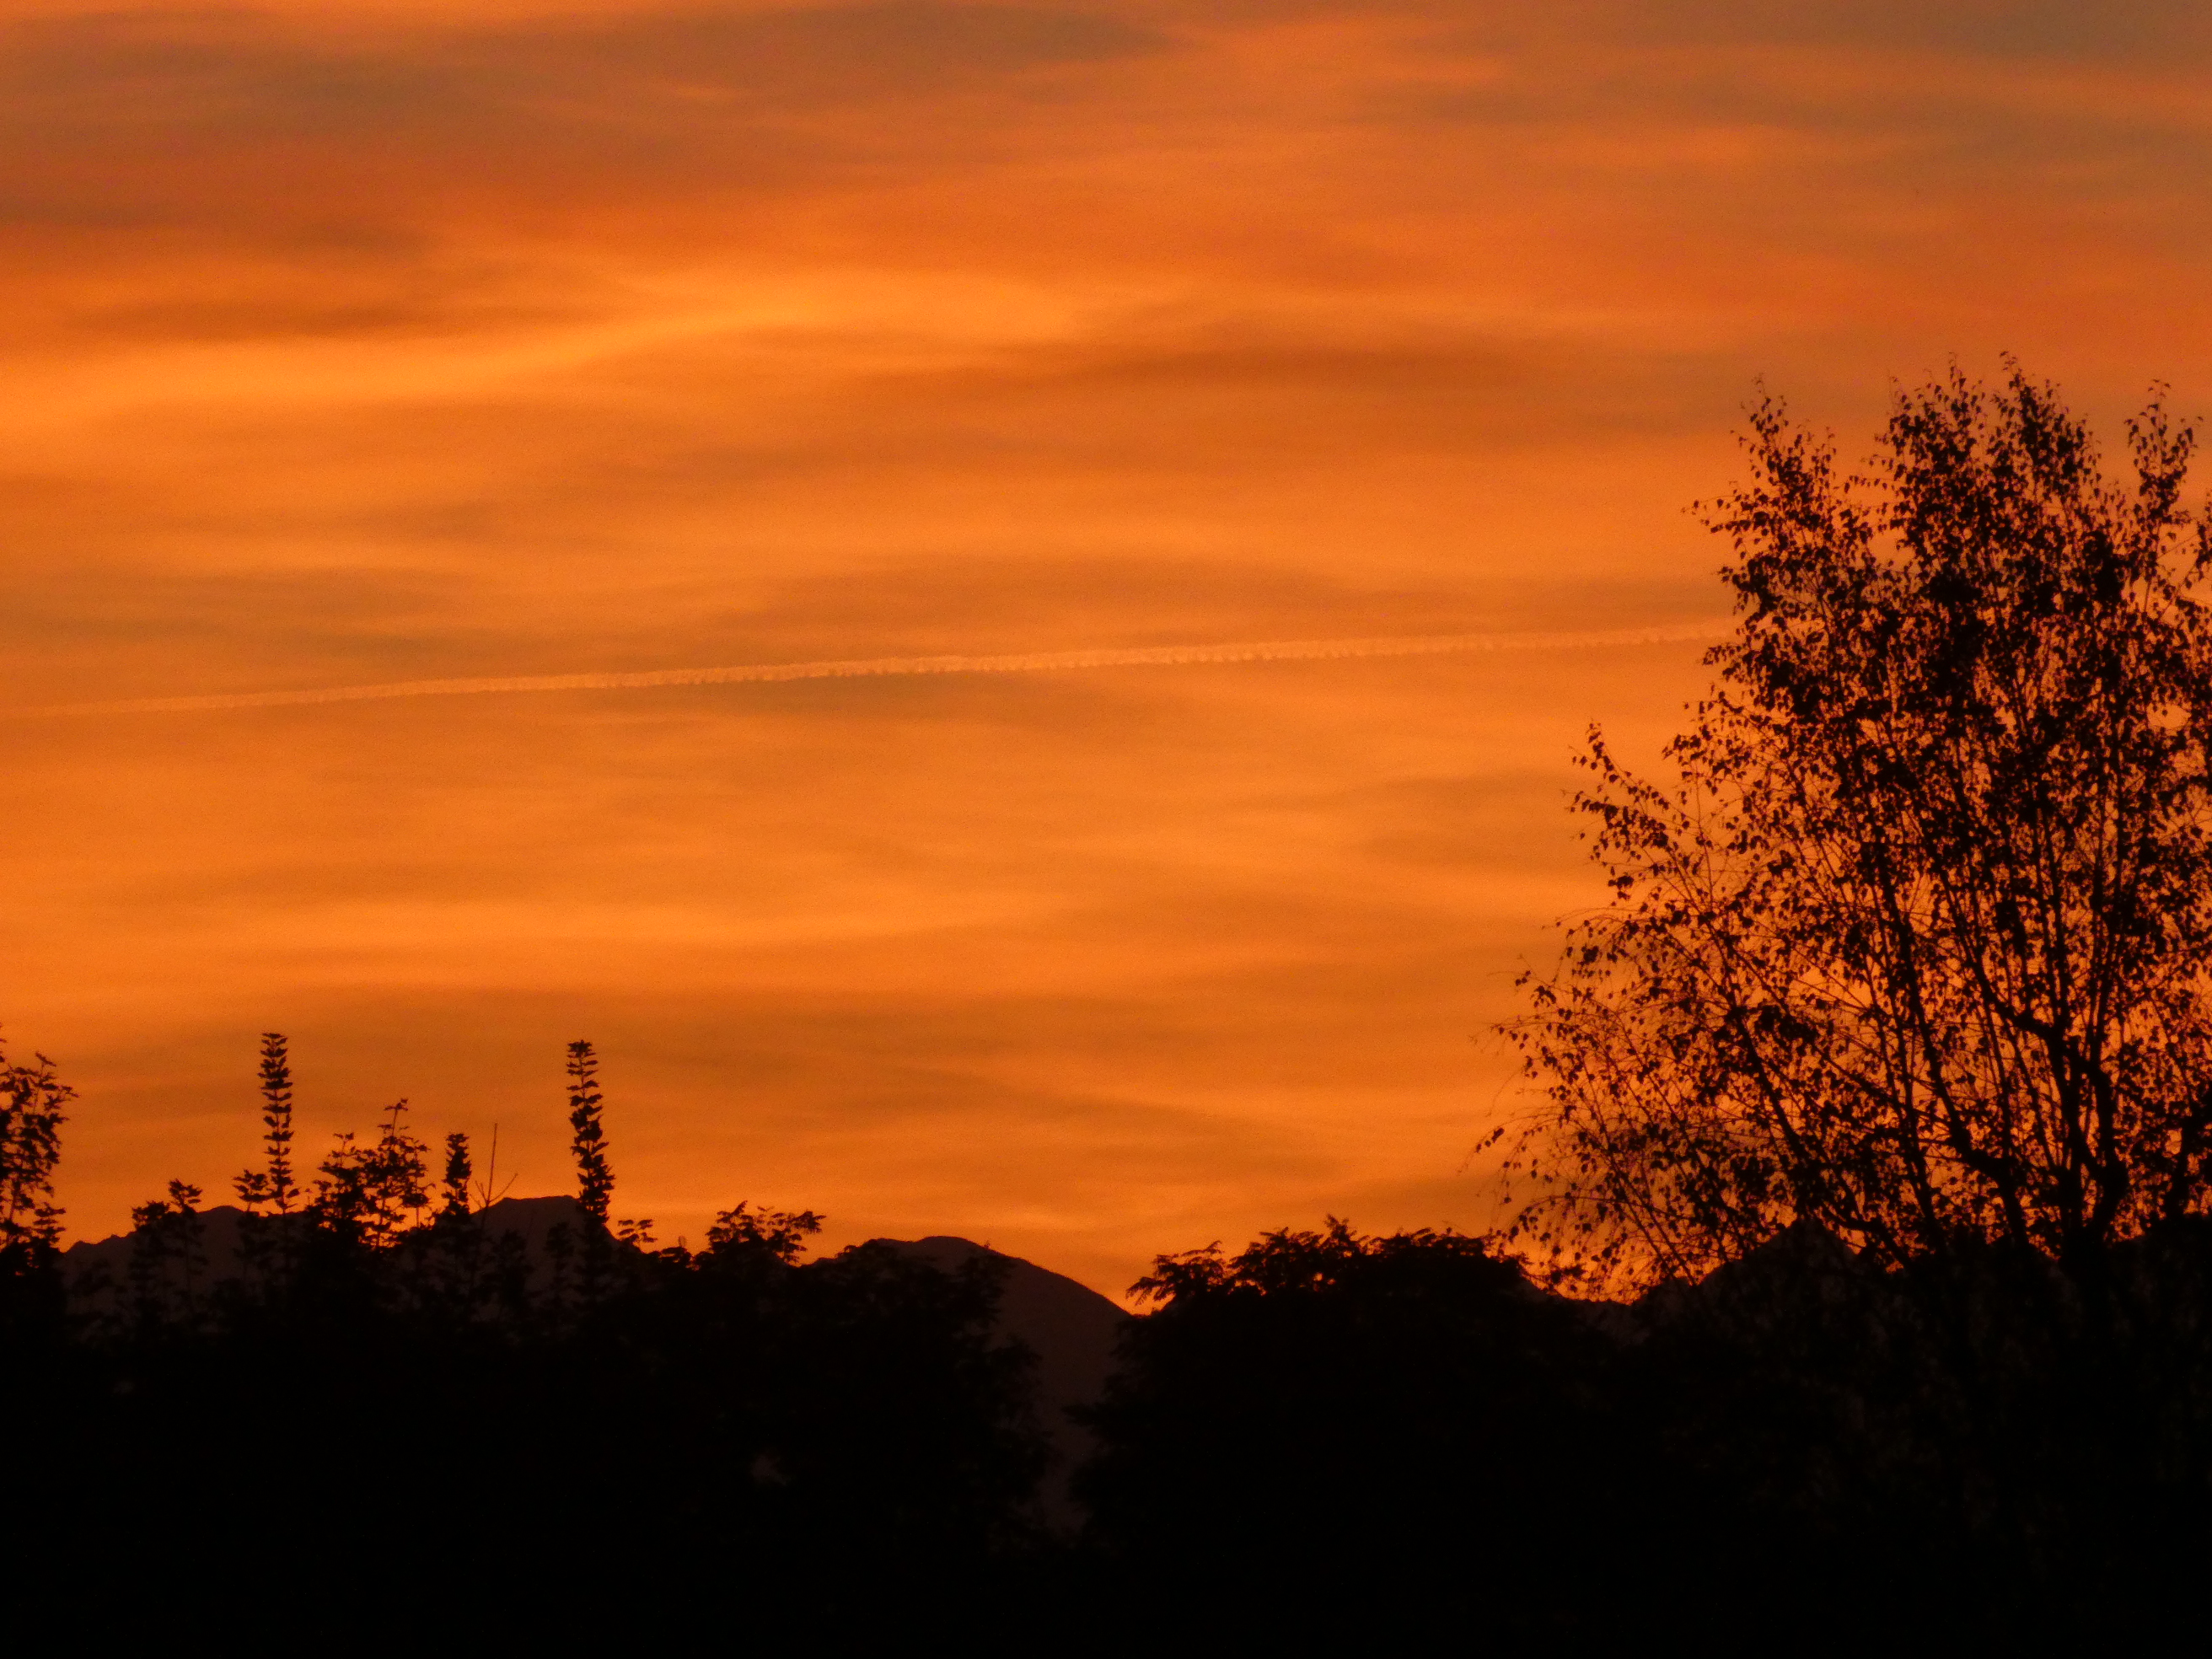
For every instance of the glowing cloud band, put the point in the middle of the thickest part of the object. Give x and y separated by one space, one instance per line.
1023 662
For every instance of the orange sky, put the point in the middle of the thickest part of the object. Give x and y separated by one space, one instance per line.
430 340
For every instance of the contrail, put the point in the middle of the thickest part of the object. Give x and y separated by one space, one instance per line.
1020 662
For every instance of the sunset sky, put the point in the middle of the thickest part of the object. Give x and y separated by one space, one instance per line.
350 345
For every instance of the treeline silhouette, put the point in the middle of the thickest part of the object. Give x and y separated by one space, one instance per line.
366 1394
1804 1448
368 1399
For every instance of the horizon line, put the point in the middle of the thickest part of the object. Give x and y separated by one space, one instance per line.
1024 662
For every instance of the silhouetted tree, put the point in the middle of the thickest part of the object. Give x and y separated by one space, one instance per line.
1327 1423
376 1192
1914 944
272 1183
458 1174
595 1182
30 1117
168 1257
776 1234
32 1304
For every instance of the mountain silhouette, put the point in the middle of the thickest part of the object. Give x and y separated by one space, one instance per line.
1071 1328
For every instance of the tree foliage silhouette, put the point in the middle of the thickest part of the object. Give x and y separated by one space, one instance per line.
460 1171
376 1192
595 1180
32 1099
1325 1409
1914 944
272 1184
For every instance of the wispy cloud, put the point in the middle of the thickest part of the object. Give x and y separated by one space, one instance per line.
1019 662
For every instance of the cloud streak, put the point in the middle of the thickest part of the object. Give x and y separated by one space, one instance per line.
1021 662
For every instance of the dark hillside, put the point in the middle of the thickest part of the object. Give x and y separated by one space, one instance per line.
1073 1330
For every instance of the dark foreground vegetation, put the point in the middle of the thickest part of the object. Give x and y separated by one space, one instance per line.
1858 1286
1802 1449
366 1398
1327 1433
